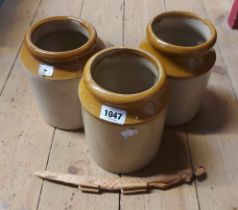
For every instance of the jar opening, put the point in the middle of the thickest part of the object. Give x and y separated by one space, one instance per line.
60 35
181 30
124 72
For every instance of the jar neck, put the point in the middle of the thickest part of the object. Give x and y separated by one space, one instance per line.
126 79
181 34
61 39
146 83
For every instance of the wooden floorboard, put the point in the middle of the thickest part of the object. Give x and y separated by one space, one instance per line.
24 144
173 154
227 38
69 152
12 32
28 144
212 134
25 139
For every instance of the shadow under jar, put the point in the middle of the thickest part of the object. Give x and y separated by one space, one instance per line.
124 103
183 42
54 53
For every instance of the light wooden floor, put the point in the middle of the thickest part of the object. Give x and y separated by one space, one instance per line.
28 144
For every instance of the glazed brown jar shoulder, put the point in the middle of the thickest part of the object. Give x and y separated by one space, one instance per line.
63 42
183 41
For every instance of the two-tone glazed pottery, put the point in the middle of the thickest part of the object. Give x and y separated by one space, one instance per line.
124 103
54 53
183 42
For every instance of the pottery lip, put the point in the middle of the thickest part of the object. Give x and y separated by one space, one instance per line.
177 50
62 56
124 99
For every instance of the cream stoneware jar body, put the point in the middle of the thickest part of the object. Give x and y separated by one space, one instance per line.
184 43
58 101
123 149
131 82
59 46
185 102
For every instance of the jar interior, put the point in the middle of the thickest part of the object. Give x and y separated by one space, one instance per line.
181 31
60 35
124 73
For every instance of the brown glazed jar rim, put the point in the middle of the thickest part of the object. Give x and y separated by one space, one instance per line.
65 56
122 100
177 50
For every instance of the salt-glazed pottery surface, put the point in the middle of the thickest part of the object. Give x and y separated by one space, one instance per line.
124 103
54 53
183 42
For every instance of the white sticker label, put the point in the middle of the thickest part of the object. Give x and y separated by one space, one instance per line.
113 115
129 133
46 70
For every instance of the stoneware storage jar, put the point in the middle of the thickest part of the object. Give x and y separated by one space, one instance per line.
124 103
54 53
183 42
